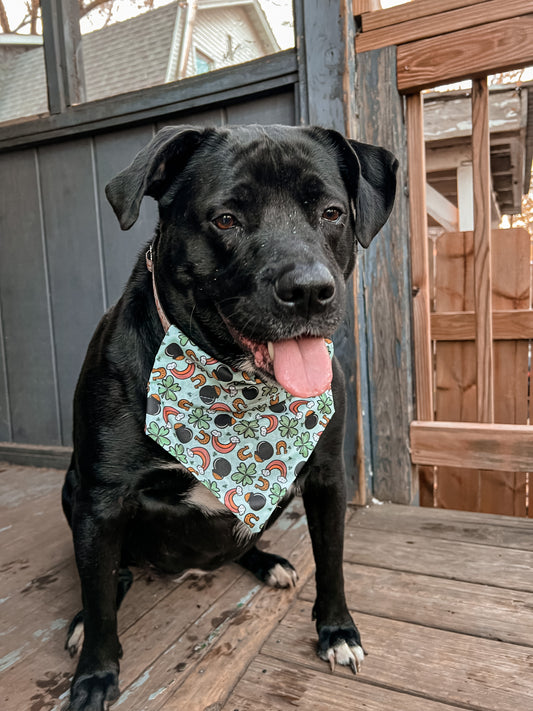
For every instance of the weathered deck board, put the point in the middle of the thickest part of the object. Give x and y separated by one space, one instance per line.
444 602
495 530
19 484
234 625
479 610
457 560
441 666
269 685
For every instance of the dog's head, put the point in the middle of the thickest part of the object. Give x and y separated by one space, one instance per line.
257 233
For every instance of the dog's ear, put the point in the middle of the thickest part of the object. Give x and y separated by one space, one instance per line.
152 170
376 189
369 173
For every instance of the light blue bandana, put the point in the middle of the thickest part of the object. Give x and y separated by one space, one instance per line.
245 440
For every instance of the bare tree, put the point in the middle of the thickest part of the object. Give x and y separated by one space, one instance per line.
32 13
4 20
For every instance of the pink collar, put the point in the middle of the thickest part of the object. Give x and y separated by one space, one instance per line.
150 266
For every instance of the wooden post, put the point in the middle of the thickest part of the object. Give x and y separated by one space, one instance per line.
482 249
361 6
62 54
385 291
325 35
420 279
419 256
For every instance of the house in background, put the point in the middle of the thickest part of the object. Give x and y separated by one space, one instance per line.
448 138
172 42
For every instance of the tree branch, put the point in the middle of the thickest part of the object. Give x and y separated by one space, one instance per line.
86 7
4 22
34 12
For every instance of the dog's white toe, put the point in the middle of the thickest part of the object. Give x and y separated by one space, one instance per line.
344 655
282 577
75 640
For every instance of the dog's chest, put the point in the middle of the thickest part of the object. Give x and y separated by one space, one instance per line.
179 524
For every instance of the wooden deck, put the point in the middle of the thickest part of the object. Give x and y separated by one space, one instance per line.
443 600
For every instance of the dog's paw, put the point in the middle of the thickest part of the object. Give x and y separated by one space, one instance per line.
282 575
75 635
95 692
75 640
341 645
271 569
345 655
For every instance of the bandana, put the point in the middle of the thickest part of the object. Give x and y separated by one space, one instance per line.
245 440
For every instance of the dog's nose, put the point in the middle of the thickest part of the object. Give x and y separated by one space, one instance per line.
305 289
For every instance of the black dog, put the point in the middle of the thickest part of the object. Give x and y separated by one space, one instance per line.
256 238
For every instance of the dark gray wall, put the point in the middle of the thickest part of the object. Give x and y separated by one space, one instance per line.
65 259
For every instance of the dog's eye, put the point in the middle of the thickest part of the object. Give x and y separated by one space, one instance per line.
225 222
332 214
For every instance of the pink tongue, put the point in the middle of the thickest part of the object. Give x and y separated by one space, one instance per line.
302 366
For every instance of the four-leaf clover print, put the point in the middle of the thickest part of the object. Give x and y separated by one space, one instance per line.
304 444
288 426
276 493
245 474
168 388
292 437
178 452
199 418
247 428
212 486
324 404
159 434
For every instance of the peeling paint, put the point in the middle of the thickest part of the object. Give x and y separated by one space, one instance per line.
11 658
133 687
157 693
46 634
249 595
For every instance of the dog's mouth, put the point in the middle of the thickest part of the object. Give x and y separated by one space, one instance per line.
301 365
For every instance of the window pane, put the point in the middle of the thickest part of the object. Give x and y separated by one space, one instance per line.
22 77
134 44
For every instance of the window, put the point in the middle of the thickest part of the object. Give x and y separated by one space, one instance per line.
126 45
202 63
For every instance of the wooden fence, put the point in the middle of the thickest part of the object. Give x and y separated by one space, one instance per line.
471 440
454 349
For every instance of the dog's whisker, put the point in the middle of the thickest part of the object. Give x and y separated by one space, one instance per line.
191 315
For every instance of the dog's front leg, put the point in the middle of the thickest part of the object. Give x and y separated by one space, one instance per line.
338 637
324 495
97 542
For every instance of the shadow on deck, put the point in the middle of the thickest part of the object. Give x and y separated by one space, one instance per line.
443 600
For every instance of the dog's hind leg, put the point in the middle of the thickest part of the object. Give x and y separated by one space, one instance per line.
68 490
75 630
269 568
